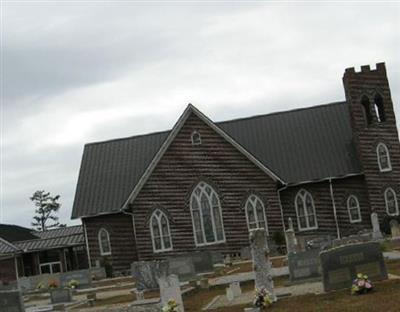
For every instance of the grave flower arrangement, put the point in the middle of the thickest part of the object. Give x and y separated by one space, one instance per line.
262 299
361 285
73 284
40 285
53 284
170 306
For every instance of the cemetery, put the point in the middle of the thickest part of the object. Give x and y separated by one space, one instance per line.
201 281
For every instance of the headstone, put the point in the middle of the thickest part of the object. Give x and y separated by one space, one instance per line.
304 265
376 230
60 295
353 239
24 284
98 273
342 264
217 257
261 263
11 301
233 291
202 262
245 253
146 274
170 289
228 260
84 278
320 243
183 267
291 241
395 229
139 294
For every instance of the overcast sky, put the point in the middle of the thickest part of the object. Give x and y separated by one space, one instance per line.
82 72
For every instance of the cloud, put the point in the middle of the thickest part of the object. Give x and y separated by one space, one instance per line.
81 72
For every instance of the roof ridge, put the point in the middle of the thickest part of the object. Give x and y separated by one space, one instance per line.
219 122
283 112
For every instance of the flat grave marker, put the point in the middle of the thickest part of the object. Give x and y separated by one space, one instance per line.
11 301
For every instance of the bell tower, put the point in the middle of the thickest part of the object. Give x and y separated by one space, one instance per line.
375 135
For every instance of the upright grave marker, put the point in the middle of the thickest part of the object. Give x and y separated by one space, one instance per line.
395 229
261 263
304 265
291 241
170 289
341 265
376 230
11 301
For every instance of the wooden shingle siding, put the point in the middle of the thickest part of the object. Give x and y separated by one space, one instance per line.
221 165
320 192
122 239
368 83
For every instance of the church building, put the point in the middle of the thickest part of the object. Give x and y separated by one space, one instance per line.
202 185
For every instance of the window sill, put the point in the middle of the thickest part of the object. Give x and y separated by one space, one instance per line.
105 254
355 221
308 229
209 244
162 250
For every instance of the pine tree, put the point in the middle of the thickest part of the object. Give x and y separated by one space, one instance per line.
47 208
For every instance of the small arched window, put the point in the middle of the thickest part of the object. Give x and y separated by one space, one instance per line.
392 206
383 156
255 213
366 109
196 138
207 216
104 242
353 207
160 231
379 108
305 209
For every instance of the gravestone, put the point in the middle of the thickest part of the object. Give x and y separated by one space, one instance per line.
11 301
342 264
183 267
24 284
202 262
304 265
245 253
170 289
146 273
233 291
98 273
395 229
376 230
217 257
84 278
261 263
291 241
60 295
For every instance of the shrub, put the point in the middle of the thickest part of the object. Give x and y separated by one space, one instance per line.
73 283
53 284
170 306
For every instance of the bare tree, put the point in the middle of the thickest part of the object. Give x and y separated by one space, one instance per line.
46 211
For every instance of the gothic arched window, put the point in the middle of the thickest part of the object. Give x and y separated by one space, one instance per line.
207 216
160 232
353 207
379 108
392 206
255 213
383 155
305 209
196 138
104 242
366 109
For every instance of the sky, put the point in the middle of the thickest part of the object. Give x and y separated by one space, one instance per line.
77 72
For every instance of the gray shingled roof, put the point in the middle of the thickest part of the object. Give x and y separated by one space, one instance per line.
57 238
299 145
6 248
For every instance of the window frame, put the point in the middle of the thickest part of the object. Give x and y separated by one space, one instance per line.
389 189
195 133
202 185
158 219
102 253
353 208
389 168
253 203
306 215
